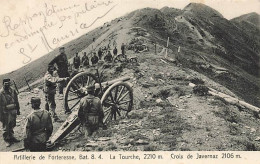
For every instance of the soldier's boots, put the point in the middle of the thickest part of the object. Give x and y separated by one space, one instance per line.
8 144
55 117
102 125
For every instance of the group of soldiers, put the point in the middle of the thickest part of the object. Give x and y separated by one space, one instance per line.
103 52
39 125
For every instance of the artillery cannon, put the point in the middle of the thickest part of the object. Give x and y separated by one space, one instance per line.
116 99
124 58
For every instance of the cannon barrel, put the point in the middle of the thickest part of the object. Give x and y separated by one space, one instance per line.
108 83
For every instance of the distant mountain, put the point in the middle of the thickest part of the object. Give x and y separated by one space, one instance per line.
252 18
225 50
250 24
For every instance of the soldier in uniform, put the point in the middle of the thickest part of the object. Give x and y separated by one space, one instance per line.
85 60
9 109
123 48
100 53
50 90
62 63
94 59
108 57
115 51
38 127
76 61
90 112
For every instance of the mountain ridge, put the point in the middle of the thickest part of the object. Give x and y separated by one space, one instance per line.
207 41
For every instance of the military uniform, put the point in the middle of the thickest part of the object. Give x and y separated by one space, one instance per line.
62 63
108 57
38 129
100 53
123 48
76 62
94 59
9 108
85 60
50 91
90 114
115 51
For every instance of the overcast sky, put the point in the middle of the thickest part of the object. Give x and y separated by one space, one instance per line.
11 58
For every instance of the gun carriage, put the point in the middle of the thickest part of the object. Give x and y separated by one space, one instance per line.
116 99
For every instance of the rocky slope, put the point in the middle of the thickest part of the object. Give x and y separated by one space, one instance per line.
204 47
167 115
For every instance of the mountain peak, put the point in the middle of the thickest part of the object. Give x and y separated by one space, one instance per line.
201 10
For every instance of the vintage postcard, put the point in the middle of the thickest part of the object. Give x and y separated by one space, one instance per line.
134 81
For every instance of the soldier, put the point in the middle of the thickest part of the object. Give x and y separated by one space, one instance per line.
38 127
76 61
50 90
108 57
62 63
9 109
90 112
115 51
94 59
123 48
100 53
85 60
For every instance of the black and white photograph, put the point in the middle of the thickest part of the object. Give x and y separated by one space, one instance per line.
130 76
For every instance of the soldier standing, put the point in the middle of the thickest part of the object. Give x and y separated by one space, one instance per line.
62 63
115 51
85 60
9 109
50 90
123 48
94 59
100 53
90 112
108 57
76 61
38 127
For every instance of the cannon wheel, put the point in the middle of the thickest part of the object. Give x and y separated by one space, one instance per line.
117 101
75 89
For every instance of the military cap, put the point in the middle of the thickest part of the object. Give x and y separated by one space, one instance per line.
35 100
91 88
6 80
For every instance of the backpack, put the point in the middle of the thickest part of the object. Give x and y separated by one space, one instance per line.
91 113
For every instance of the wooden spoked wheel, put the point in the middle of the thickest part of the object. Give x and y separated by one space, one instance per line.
76 88
117 101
